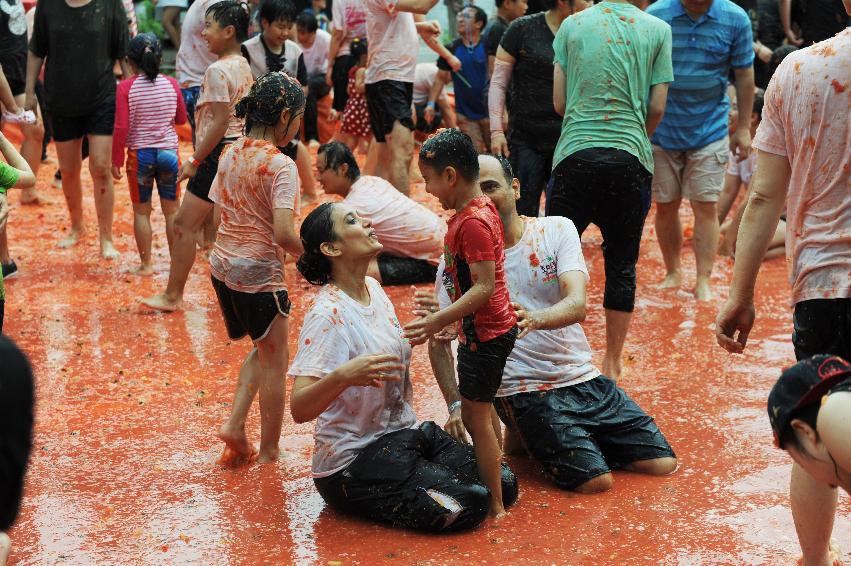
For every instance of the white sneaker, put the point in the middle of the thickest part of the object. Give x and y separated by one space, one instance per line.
25 117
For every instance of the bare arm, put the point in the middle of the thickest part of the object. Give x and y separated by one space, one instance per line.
656 107
786 22
569 310
501 76
415 6
732 184
559 89
440 356
211 139
740 141
284 230
312 395
769 186
34 64
336 42
483 274
435 92
26 179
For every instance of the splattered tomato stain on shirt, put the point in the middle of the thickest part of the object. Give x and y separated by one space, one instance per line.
837 86
533 260
307 341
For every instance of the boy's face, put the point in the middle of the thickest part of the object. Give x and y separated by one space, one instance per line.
306 38
516 8
333 182
277 32
216 36
438 183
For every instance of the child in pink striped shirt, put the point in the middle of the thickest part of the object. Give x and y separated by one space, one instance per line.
147 106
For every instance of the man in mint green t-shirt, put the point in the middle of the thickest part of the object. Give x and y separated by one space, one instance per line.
612 69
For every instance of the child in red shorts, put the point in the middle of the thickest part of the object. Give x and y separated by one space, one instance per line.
474 277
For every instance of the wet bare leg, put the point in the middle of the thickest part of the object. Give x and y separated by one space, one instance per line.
100 156
617 326
706 232
169 208
669 232
477 419
273 356
188 220
69 154
31 150
171 24
401 147
142 232
232 433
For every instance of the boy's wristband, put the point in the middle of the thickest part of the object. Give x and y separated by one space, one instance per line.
430 104
453 406
193 161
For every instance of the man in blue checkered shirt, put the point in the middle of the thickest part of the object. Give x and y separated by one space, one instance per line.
690 146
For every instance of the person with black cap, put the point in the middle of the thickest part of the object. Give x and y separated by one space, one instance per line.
810 412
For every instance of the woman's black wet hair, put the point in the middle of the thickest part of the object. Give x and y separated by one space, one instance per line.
336 154
270 96
145 50
306 21
789 437
358 48
316 229
277 11
231 13
451 147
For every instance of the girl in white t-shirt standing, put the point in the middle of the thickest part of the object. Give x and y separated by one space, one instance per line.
352 375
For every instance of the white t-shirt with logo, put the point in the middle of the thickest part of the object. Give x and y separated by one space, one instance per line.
348 16
403 226
337 329
543 359
393 43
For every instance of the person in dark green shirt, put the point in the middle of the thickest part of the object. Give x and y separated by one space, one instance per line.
14 173
610 82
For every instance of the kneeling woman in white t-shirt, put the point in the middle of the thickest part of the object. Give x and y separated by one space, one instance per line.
351 373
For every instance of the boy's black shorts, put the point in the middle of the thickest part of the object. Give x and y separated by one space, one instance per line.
199 185
250 313
480 366
387 102
15 68
582 431
99 122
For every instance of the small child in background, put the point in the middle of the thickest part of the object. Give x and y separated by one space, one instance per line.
147 107
15 172
474 277
317 8
257 191
739 174
356 131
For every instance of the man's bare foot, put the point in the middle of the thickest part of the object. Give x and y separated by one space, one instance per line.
162 303
30 197
73 238
5 548
497 513
108 251
671 281
703 290
266 456
143 270
612 368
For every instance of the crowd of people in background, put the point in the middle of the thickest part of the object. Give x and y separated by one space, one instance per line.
561 114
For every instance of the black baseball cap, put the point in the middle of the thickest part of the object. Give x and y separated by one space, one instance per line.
801 386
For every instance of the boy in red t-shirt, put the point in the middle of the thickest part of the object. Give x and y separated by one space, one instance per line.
474 277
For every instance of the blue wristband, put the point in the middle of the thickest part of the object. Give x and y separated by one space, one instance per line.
430 104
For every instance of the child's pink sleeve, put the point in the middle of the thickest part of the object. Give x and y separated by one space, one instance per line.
122 121
180 115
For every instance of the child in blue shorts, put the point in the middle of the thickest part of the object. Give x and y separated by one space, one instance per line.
147 107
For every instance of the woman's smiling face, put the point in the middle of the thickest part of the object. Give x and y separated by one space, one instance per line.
355 235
